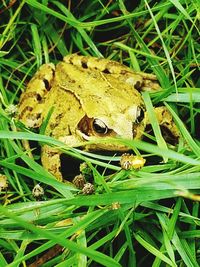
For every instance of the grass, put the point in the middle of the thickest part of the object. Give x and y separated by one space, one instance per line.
139 218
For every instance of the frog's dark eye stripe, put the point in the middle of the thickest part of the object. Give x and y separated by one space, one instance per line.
93 126
84 125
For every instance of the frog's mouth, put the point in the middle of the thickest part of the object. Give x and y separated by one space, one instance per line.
101 144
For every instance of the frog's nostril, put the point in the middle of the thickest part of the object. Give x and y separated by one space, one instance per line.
139 115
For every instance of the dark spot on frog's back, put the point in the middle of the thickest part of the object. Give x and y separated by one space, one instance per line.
30 95
59 116
123 72
106 71
39 98
53 125
47 84
36 116
26 109
138 85
72 81
84 65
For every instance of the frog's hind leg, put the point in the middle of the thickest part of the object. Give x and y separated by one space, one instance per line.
32 101
51 161
169 129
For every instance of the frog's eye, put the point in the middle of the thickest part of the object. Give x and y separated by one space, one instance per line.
99 126
139 115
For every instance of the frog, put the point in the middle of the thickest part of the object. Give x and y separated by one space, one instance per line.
86 99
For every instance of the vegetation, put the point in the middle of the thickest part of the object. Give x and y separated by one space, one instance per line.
147 217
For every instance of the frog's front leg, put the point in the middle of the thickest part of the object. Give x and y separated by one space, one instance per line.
170 131
51 161
50 157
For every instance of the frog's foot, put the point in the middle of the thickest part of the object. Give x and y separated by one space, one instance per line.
51 161
169 129
33 99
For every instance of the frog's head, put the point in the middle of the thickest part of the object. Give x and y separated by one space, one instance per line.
115 115
110 107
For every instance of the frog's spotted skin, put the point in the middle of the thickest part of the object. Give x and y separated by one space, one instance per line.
89 98
32 101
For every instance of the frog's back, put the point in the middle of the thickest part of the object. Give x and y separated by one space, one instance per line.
98 93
